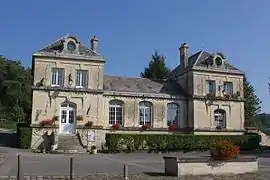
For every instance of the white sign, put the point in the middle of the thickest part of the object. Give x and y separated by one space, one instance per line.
91 137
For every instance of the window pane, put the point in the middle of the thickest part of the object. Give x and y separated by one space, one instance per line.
85 79
207 88
111 115
71 117
228 87
81 78
63 116
77 78
60 77
54 77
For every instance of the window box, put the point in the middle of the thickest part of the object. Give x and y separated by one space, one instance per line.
146 126
116 126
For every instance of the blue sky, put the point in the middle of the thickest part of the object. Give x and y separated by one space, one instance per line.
131 30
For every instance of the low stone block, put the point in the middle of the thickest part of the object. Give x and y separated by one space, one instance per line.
206 166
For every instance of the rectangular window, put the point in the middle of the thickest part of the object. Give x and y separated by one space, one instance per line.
81 79
57 77
228 88
210 87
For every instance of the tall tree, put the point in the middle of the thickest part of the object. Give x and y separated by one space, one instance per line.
252 104
15 96
157 67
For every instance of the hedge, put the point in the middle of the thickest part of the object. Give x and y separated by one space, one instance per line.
24 136
183 142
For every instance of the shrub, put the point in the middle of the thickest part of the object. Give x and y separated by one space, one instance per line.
24 137
174 142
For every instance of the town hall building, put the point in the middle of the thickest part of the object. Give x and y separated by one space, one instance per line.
76 102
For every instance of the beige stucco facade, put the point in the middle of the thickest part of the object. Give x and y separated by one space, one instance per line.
92 103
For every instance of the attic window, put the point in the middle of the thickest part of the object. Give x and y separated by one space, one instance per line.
71 46
218 61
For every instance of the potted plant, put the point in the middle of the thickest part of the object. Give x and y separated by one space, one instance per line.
116 126
93 149
46 122
79 118
224 150
89 124
172 127
146 126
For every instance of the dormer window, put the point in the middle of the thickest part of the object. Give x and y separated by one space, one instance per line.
71 46
218 61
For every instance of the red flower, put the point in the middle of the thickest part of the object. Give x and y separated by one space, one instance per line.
172 127
46 122
116 126
146 126
226 149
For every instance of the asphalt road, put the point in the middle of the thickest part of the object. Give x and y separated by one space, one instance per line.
85 164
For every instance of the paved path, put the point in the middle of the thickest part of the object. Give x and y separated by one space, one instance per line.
52 165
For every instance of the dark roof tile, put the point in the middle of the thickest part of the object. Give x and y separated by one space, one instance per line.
141 85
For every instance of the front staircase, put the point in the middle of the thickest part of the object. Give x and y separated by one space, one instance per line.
69 144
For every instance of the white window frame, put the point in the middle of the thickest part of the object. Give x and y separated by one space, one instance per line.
114 105
220 118
82 74
226 90
144 106
56 71
173 107
207 89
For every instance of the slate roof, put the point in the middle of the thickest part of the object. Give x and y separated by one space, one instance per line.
58 46
198 60
141 85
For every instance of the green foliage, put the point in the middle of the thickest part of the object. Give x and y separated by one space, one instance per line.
15 87
157 68
186 142
262 122
24 137
252 104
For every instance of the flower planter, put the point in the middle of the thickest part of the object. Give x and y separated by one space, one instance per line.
203 166
94 151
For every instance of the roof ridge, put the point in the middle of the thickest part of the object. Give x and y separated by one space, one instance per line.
198 57
62 37
134 77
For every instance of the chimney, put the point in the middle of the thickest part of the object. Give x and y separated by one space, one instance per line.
183 56
94 44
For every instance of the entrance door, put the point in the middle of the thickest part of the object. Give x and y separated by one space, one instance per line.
67 124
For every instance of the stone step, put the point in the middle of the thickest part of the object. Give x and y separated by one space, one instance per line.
69 144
